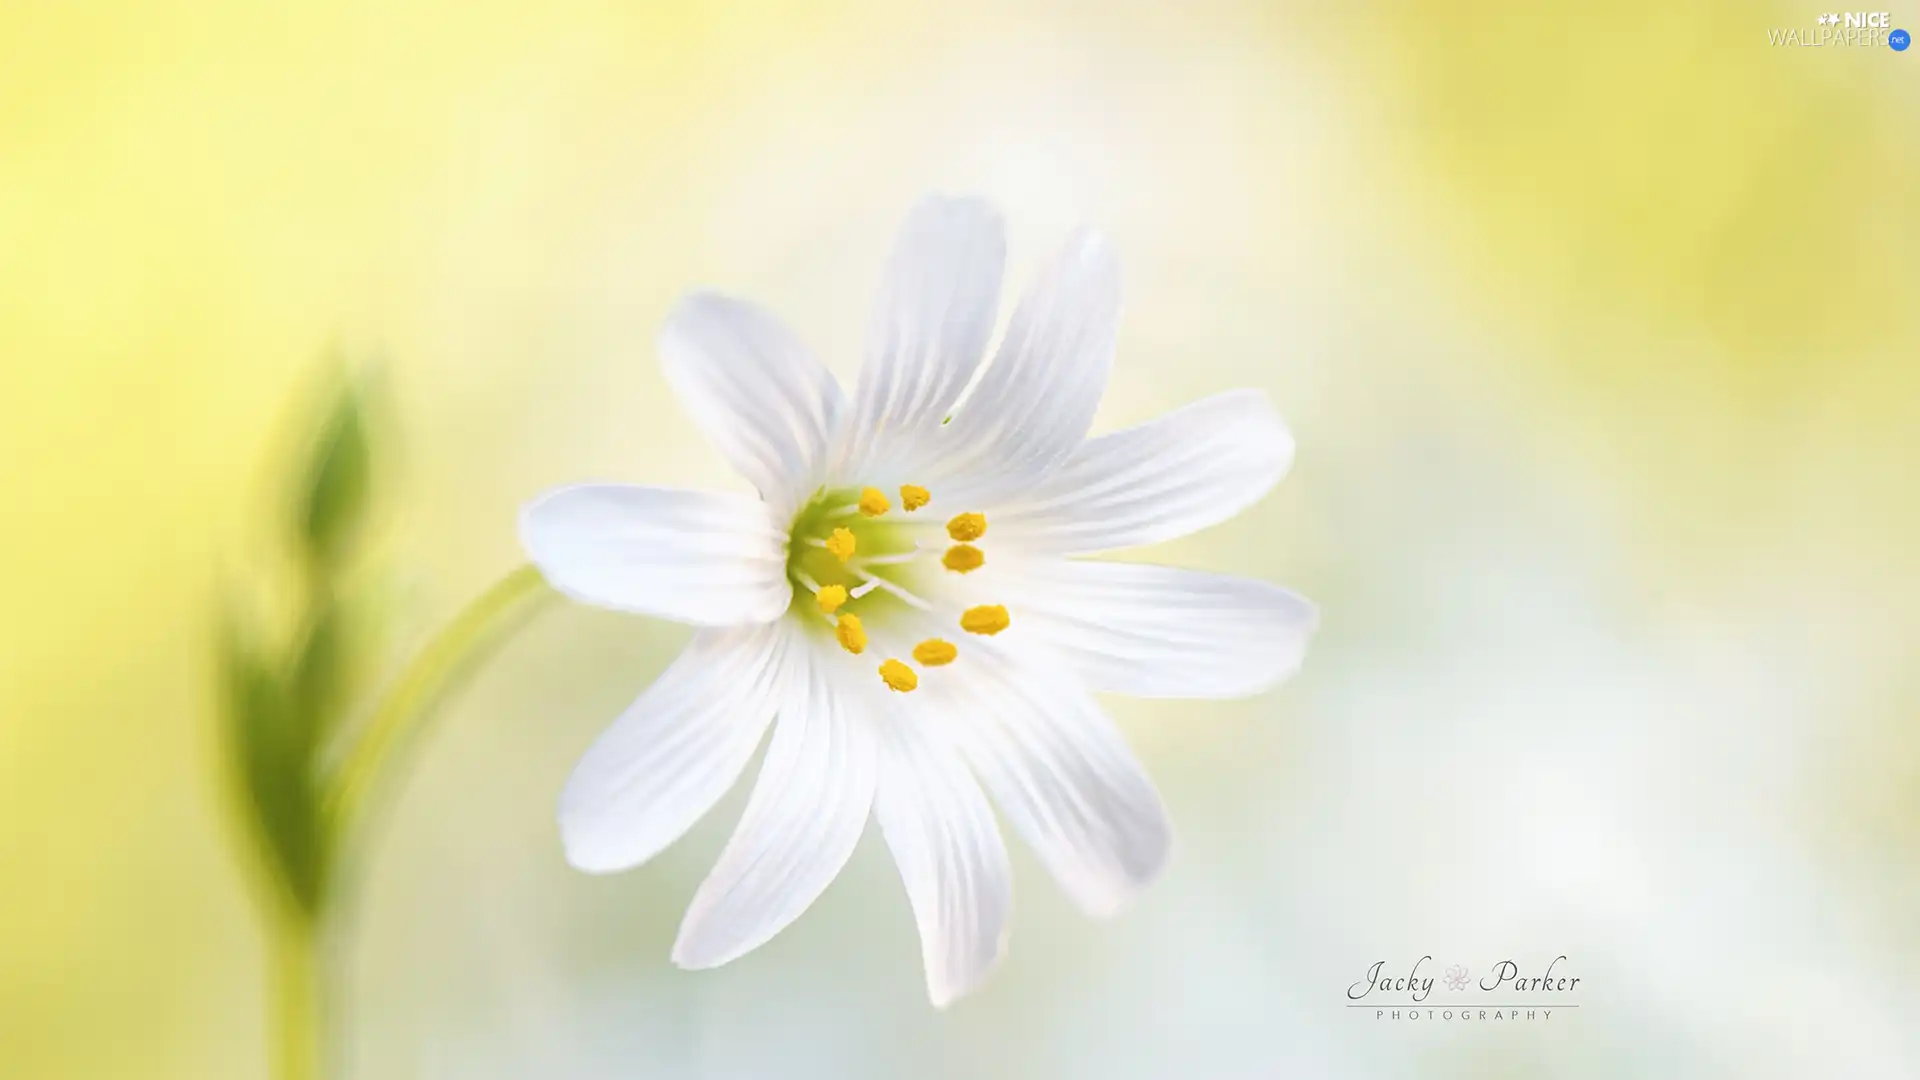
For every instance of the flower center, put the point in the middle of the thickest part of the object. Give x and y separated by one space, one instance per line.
853 562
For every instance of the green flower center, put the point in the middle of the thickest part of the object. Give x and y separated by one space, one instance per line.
884 553
852 562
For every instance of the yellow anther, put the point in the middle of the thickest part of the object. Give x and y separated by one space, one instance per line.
988 619
873 502
841 544
966 527
830 597
934 652
913 497
963 558
852 636
898 676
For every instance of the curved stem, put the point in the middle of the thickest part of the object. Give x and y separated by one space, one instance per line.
402 714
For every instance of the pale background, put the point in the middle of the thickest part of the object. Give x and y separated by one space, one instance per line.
1594 330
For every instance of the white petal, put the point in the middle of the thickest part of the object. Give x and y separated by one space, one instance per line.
1189 469
1035 401
807 812
695 557
952 861
930 327
1153 631
1062 776
755 391
675 751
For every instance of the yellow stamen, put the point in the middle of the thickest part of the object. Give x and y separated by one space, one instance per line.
898 676
841 544
966 527
963 558
913 497
852 636
873 502
988 619
934 652
830 597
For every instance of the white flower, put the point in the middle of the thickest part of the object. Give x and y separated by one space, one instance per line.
903 604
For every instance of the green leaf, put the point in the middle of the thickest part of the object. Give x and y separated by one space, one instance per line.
272 755
336 497
320 683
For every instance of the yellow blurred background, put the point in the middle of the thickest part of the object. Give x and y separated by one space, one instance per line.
1592 326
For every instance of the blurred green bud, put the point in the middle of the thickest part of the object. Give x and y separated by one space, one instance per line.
271 748
337 494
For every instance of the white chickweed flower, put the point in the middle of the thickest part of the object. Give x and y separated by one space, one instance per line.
905 605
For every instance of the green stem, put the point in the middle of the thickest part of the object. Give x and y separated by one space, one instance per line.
403 714
299 937
299 1001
